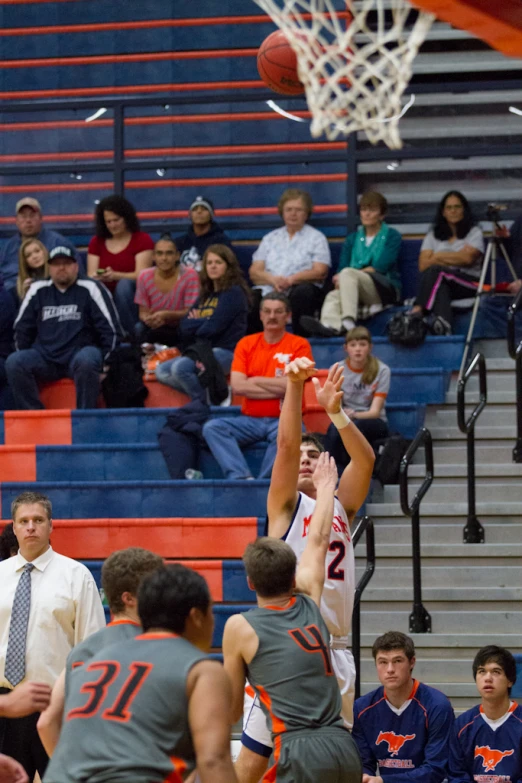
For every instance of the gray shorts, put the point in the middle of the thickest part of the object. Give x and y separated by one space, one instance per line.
328 755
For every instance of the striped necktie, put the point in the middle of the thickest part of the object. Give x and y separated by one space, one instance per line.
15 655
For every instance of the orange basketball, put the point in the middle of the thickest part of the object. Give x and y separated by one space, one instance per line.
277 65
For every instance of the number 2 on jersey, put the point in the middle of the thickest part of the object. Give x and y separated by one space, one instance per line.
97 689
334 571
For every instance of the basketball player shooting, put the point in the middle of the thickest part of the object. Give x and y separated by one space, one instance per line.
282 647
290 505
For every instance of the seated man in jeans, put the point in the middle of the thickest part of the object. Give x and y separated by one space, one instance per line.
66 328
257 373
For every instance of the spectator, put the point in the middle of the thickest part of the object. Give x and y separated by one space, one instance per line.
203 232
367 275
258 375
29 223
219 318
403 724
118 253
450 260
365 388
8 542
165 293
293 259
32 265
7 317
66 328
488 738
48 603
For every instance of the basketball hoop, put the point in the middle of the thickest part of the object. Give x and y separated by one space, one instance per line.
355 63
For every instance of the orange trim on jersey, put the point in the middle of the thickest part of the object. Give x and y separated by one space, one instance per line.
278 726
380 394
157 635
353 369
413 697
176 776
290 603
122 622
250 691
512 708
271 774
371 706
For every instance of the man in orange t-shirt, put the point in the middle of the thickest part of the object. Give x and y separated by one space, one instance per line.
257 374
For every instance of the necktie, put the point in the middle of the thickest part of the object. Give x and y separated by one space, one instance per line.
15 655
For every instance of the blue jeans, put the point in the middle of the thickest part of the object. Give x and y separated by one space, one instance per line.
25 368
225 436
182 374
124 294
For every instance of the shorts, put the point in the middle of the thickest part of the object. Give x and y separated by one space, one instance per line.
256 732
328 754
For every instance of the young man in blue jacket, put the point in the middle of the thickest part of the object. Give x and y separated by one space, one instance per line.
401 729
66 328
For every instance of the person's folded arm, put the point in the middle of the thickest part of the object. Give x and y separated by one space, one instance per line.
248 387
426 259
373 412
316 274
465 257
276 386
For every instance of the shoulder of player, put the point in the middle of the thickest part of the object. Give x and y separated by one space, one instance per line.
370 699
237 629
466 720
432 697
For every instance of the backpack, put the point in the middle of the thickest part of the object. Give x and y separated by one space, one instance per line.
389 451
406 329
123 385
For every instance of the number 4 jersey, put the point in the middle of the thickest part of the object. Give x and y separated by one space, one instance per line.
339 586
126 714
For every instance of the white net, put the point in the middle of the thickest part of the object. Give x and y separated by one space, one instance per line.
354 60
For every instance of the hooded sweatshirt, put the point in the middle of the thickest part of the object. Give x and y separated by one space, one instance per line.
192 247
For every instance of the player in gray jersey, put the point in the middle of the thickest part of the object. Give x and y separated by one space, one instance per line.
282 647
121 576
150 709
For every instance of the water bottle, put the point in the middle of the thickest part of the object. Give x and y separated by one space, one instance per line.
193 474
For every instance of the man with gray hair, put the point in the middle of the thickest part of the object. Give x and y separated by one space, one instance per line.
48 604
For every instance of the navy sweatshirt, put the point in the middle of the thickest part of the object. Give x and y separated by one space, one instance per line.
223 319
192 247
58 324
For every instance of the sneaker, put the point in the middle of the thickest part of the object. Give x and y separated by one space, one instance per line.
438 326
315 328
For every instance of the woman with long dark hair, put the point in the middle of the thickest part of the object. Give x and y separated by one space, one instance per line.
450 260
219 317
118 253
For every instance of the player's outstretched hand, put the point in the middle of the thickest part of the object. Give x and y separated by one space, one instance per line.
11 771
300 369
27 698
325 473
331 394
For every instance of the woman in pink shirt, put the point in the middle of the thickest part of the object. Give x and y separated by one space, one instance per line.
165 293
118 253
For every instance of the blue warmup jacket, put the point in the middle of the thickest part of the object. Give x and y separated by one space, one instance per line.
412 747
479 752
58 324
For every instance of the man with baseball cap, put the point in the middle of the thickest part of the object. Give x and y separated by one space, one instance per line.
67 327
29 223
203 232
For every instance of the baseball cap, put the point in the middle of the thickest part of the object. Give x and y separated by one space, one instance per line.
201 201
28 202
62 252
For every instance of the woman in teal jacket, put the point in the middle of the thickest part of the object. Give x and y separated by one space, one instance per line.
368 271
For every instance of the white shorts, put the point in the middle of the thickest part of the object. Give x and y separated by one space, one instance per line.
256 733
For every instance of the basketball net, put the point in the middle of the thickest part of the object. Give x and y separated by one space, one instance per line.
354 63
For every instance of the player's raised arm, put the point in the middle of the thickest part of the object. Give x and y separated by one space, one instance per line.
355 480
208 691
311 571
282 495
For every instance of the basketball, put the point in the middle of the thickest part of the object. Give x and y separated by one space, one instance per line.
277 65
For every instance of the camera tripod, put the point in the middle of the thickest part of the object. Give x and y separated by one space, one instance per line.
494 248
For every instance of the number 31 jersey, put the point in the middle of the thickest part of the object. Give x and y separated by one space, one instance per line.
339 586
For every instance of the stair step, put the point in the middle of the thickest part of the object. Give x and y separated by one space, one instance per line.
463 576
497 380
454 552
485 453
444 641
494 396
430 508
491 416
503 432
495 490
445 533
458 593
482 470
446 622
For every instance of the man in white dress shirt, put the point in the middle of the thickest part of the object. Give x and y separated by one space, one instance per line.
48 603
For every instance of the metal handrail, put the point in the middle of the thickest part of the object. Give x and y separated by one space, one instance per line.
473 532
366 524
420 619
515 351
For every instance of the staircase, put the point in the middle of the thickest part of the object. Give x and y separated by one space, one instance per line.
472 591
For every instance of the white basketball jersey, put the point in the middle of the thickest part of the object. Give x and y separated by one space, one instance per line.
339 586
